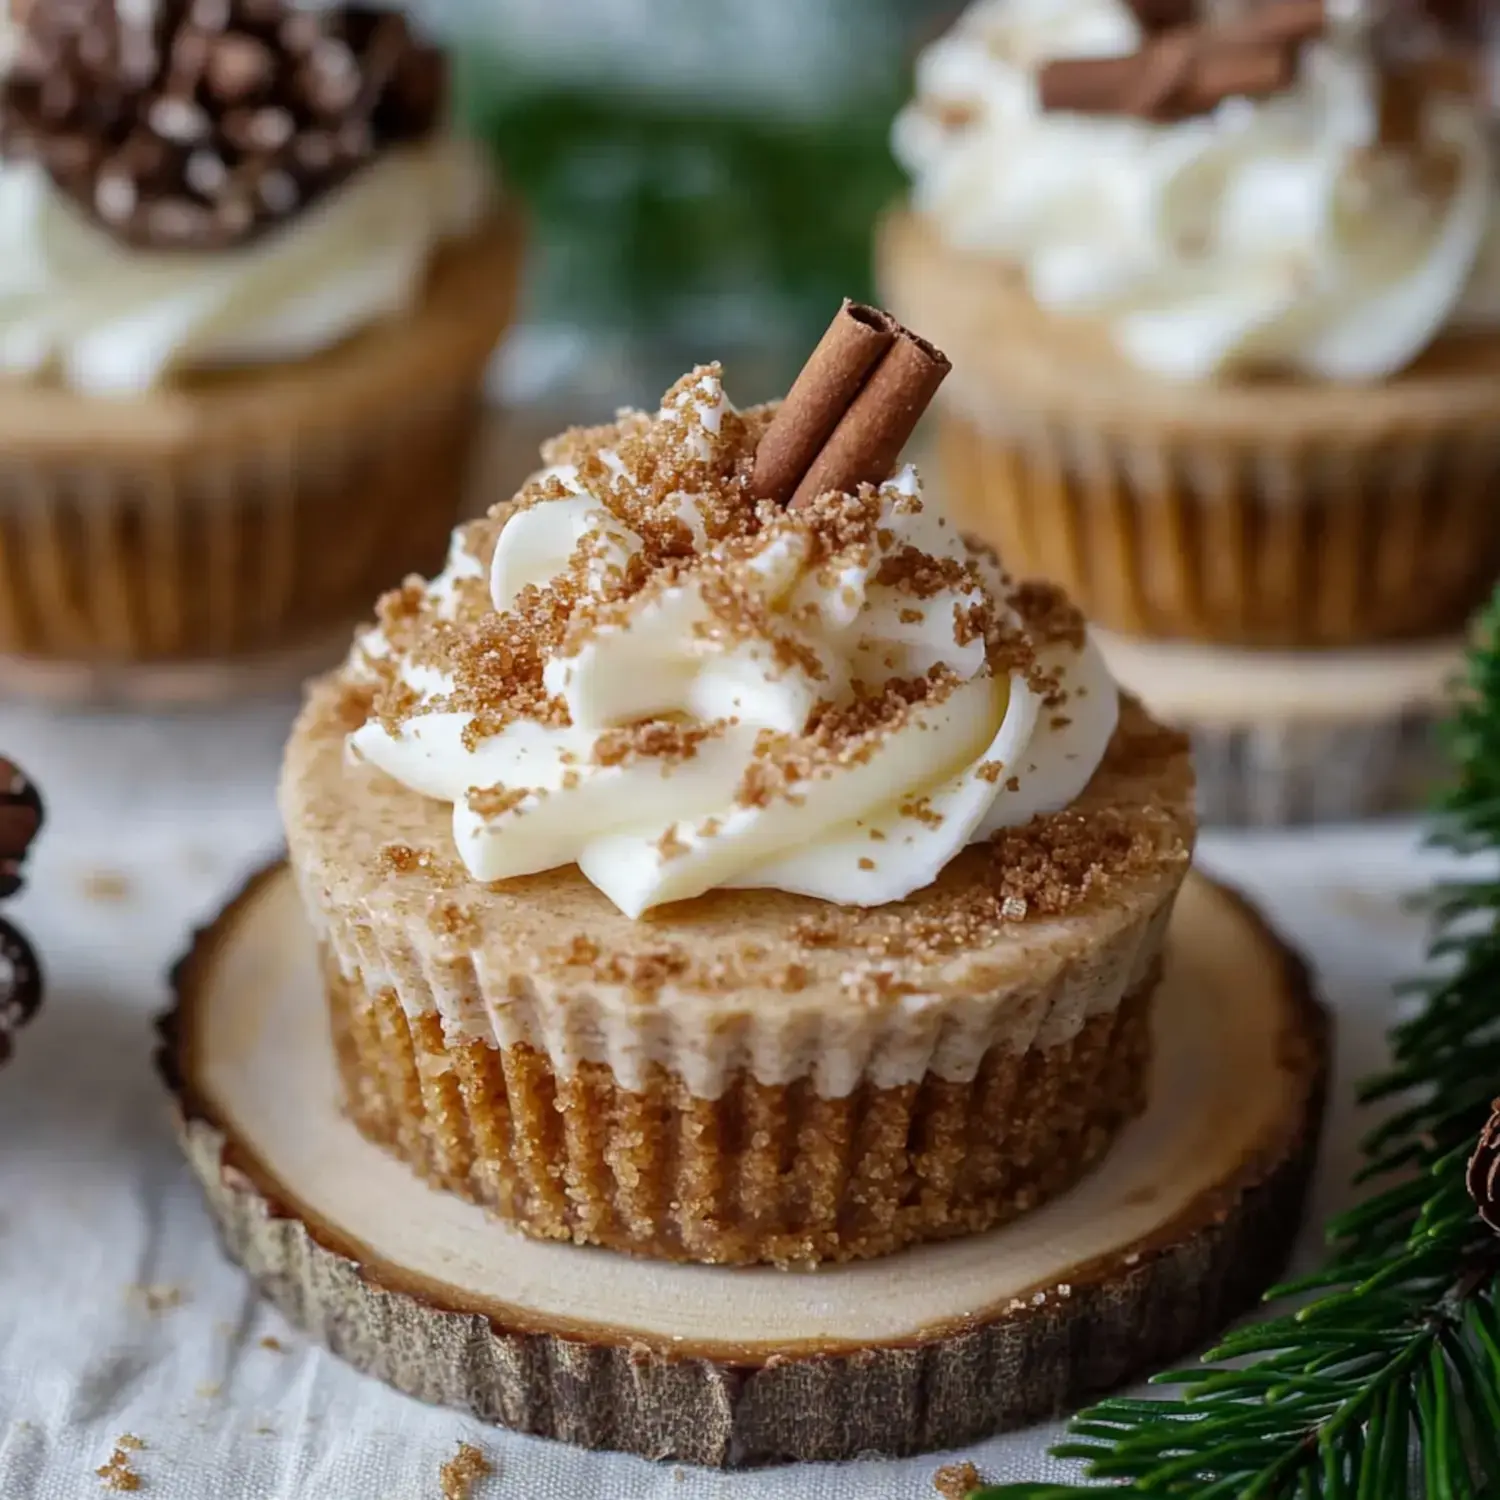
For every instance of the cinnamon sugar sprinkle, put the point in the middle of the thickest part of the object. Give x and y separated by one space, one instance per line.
496 801
647 471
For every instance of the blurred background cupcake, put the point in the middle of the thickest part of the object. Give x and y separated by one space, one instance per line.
250 282
1221 283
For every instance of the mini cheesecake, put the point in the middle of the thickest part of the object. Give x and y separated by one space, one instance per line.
719 881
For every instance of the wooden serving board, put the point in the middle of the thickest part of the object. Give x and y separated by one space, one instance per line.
1188 1218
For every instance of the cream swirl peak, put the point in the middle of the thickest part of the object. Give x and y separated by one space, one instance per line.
113 321
1288 232
639 668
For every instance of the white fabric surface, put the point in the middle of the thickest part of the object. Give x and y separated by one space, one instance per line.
151 823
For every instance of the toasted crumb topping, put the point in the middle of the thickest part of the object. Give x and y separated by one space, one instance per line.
679 482
495 801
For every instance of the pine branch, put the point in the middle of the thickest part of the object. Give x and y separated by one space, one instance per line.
1386 1384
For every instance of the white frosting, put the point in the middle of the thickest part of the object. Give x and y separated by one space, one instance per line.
113 321
1278 233
806 633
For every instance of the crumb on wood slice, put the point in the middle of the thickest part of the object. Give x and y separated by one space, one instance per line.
117 1474
957 1481
463 1471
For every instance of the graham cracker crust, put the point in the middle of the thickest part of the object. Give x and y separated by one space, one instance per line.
764 1173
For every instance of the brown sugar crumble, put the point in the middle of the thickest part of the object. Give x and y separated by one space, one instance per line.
463 1471
640 470
670 846
495 801
402 859
656 739
957 1481
117 1473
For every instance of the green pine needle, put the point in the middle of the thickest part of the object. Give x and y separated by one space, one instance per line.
1385 1386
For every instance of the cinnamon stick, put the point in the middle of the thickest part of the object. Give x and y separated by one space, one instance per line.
838 369
1164 72
1238 73
1180 73
1162 15
1284 23
865 445
1088 85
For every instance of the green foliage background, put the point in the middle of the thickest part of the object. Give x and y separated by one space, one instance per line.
678 223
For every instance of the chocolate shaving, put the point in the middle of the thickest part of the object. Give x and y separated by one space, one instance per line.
1189 69
850 412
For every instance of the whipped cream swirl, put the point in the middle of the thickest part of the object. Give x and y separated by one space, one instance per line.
1283 233
638 669
113 321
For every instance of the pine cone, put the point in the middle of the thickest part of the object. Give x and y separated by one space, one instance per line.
20 986
20 976
20 821
193 124
1484 1172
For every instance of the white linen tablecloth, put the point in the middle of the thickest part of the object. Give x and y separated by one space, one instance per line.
118 1313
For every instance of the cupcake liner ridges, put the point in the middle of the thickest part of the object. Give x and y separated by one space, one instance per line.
233 552
247 512
764 1172
752 1075
1259 545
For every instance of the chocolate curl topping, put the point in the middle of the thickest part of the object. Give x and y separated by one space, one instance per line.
1484 1172
1190 69
20 986
851 411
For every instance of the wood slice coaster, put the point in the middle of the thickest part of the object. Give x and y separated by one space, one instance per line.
1192 1213
1296 737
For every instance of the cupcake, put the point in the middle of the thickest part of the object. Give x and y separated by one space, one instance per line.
722 861
249 284
1223 297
